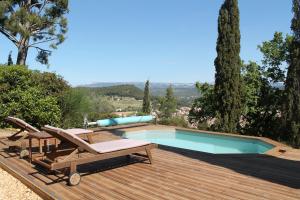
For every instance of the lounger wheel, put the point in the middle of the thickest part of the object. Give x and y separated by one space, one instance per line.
24 153
74 179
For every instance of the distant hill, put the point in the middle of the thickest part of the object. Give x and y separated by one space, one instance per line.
117 90
181 90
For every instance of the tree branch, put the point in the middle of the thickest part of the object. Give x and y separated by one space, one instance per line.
49 40
33 5
41 49
42 7
9 36
41 33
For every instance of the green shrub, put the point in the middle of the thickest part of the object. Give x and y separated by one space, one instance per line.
32 106
25 94
101 104
14 76
174 121
46 98
75 105
50 83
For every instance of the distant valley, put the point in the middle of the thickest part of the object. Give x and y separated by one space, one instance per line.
181 90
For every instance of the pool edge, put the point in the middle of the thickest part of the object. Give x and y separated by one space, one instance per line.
278 149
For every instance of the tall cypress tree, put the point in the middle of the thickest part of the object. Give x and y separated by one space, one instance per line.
9 59
146 100
292 87
228 66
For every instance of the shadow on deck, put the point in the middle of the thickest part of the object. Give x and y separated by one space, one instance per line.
277 170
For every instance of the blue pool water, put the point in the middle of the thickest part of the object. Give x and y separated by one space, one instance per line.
210 143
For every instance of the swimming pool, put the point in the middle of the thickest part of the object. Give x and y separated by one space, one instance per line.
204 142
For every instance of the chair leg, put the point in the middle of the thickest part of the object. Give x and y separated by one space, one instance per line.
149 155
73 167
74 176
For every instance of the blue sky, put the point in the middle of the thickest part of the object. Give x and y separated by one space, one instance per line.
161 40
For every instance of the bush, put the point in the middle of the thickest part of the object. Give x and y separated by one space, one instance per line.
24 95
46 98
32 106
14 77
74 105
174 121
77 103
50 83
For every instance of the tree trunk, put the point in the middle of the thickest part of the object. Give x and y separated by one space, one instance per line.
22 52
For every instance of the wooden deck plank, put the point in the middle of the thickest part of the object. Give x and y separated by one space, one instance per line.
175 174
238 182
183 181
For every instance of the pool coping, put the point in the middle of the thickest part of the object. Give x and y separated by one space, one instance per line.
278 149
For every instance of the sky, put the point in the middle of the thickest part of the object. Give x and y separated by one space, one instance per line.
160 40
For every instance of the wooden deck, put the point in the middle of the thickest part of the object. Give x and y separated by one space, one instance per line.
175 174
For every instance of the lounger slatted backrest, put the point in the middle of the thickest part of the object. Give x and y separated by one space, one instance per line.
21 124
72 138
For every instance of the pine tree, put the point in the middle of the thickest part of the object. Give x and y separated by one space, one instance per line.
146 100
9 60
228 66
292 87
32 24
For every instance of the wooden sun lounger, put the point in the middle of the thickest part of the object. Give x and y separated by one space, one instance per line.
18 139
83 152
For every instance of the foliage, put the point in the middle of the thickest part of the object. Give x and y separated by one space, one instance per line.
252 86
32 106
228 64
21 97
262 95
46 98
275 56
292 89
78 103
203 108
75 105
174 121
29 24
101 104
168 104
262 102
295 21
146 100
14 77
50 83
